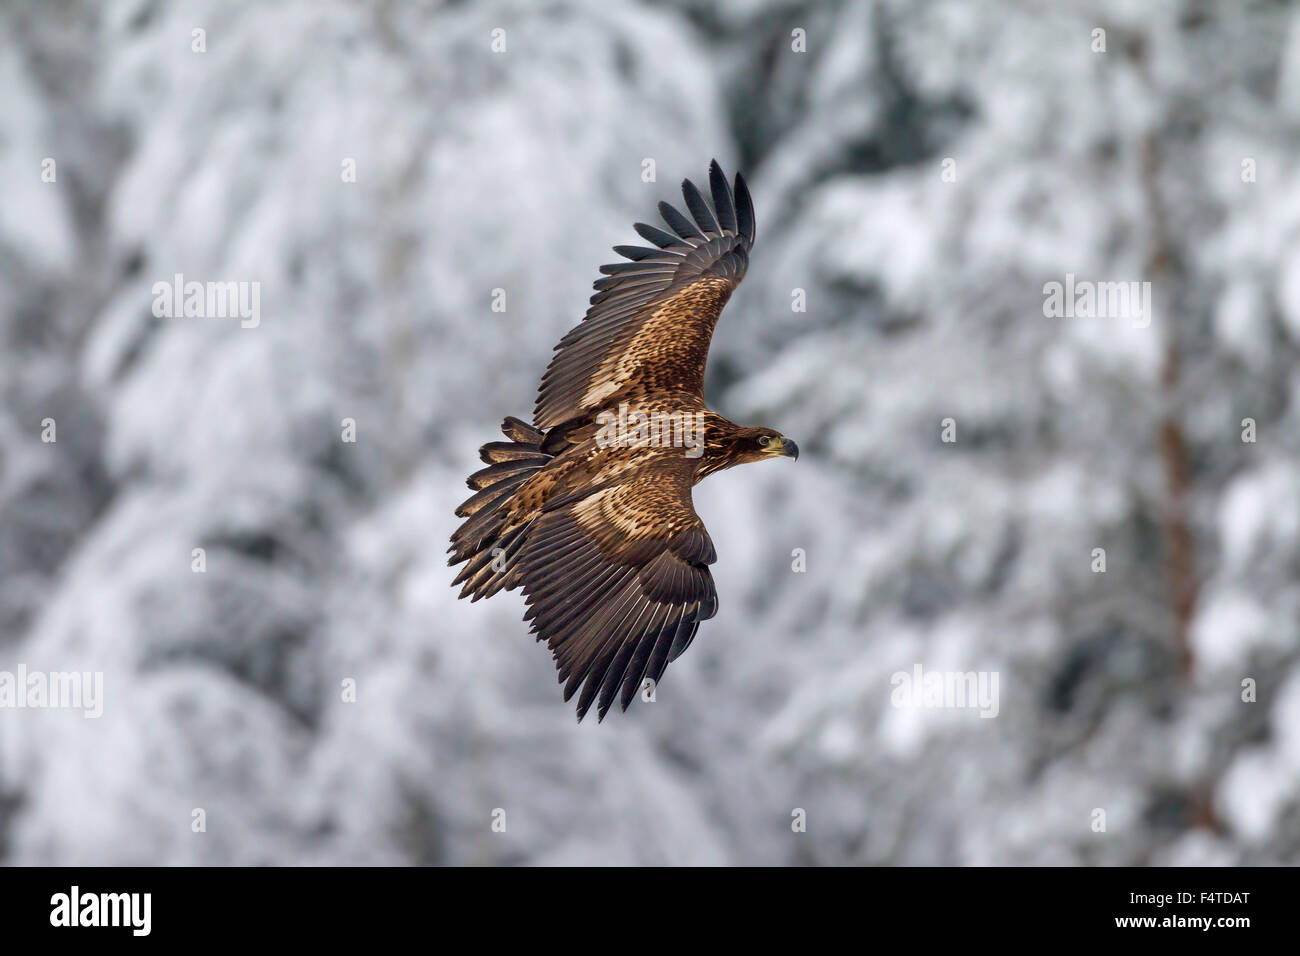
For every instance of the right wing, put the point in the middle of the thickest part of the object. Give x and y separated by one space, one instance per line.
617 581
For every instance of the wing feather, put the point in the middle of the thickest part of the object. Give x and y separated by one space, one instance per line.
744 209
704 217
723 203
652 234
679 223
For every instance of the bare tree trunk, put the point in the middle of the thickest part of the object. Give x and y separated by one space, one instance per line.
1164 273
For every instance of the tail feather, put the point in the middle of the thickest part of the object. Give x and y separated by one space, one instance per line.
482 540
489 495
498 451
486 477
521 432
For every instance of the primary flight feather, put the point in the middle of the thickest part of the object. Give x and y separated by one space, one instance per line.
588 510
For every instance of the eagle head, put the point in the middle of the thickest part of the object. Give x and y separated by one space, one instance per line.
757 444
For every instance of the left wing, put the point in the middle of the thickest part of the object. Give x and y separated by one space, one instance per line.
650 322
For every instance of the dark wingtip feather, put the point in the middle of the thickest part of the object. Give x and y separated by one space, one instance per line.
698 207
679 223
722 201
582 709
649 233
744 209
637 253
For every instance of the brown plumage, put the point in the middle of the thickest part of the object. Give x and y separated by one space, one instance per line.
588 509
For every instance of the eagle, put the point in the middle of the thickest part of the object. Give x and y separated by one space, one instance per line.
588 510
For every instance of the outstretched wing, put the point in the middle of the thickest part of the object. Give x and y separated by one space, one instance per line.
651 320
617 581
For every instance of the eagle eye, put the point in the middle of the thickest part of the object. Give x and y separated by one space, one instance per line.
763 440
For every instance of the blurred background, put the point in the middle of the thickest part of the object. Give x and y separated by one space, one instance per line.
920 172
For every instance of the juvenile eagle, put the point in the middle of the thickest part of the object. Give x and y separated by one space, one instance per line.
589 513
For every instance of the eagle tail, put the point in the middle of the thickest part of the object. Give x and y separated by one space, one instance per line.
483 540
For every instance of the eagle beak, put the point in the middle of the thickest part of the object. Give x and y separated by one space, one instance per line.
789 449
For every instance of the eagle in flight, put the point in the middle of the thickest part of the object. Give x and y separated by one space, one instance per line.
588 509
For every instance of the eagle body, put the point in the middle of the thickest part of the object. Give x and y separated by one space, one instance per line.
588 509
